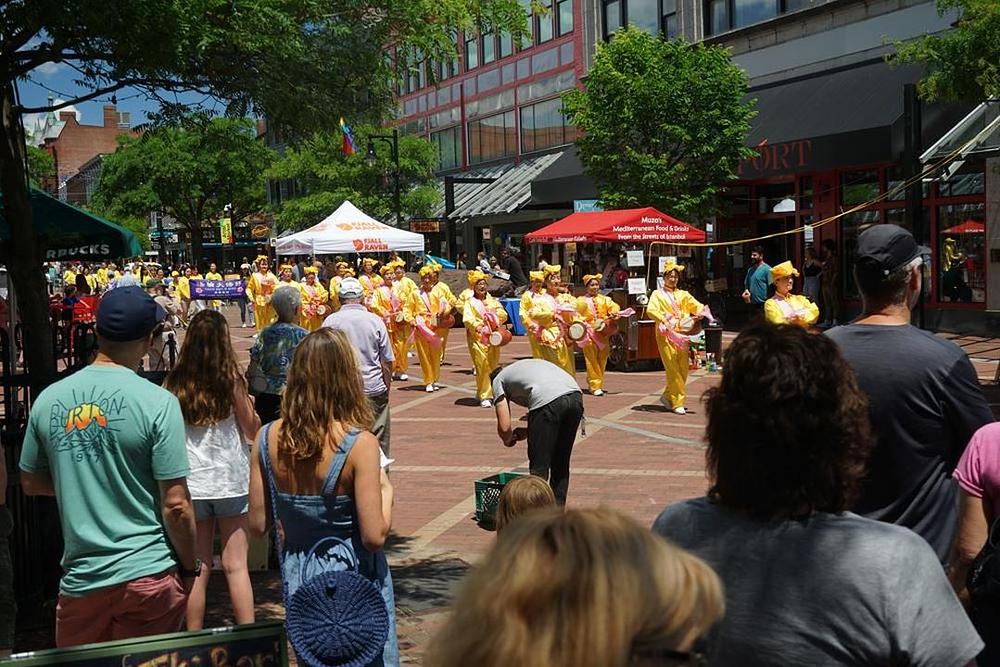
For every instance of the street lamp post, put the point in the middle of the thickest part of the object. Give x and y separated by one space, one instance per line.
371 157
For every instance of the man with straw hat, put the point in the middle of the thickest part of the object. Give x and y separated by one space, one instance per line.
676 314
260 287
482 316
527 303
785 307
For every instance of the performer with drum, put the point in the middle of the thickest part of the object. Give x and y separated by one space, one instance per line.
394 305
341 268
598 314
431 313
443 292
678 316
314 301
402 281
260 287
527 303
484 317
369 279
551 313
785 307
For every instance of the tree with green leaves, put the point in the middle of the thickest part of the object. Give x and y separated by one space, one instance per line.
189 171
664 122
328 177
297 62
963 63
41 164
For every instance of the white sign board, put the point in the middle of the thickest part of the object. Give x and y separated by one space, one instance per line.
633 259
636 285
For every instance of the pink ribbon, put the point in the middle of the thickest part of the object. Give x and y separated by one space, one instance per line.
491 321
426 332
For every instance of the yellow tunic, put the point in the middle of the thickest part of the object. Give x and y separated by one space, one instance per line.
102 277
260 287
314 305
527 301
594 310
668 308
484 357
548 321
444 292
334 294
91 281
209 275
427 308
369 283
69 278
791 309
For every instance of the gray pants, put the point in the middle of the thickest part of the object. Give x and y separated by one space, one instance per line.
380 406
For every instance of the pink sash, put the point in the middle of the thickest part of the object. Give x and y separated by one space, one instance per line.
786 308
491 321
423 324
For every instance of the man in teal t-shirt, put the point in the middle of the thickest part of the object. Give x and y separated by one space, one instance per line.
757 282
110 446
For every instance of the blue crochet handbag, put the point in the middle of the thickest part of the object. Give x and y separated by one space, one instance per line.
334 618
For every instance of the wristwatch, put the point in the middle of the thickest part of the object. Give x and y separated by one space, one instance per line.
193 573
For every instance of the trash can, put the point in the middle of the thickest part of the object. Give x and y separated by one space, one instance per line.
713 340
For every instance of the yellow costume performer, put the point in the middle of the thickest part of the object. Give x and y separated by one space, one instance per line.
527 302
214 275
443 292
69 277
91 281
102 277
335 286
674 311
314 301
785 307
550 313
260 287
429 308
369 279
598 313
393 305
482 315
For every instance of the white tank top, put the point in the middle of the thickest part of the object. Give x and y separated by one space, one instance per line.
219 461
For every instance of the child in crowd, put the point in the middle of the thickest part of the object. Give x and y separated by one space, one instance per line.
523 495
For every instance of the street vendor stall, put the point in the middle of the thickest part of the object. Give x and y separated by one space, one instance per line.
644 236
349 230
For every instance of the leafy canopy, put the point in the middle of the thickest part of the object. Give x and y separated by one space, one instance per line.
190 171
664 122
328 177
40 165
963 63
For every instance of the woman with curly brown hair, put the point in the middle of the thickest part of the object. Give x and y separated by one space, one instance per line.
581 588
807 582
219 421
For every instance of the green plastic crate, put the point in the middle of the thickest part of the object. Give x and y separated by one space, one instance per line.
488 496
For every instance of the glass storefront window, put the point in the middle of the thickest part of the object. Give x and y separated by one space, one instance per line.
858 187
962 185
449 146
961 257
643 14
805 193
853 224
612 17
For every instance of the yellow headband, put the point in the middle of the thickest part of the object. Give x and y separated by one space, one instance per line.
262 258
368 261
435 267
349 272
672 265
387 270
311 270
342 265
286 267
427 270
475 276
595 276
552 269
537 276
783 270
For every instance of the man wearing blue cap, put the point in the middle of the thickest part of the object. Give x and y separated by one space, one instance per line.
109 445
924 393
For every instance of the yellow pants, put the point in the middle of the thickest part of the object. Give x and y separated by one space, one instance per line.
536 348
443 333
597 361
400 345
430 360
264 316
675 364
561 356
484 358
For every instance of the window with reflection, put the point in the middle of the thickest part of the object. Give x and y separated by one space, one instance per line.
644 15
724 15
669 27
748 12
545 21
449 147
492 138
851 225
612 17
858 187
506 44
565 16
489 48
471 53
543 125
961 265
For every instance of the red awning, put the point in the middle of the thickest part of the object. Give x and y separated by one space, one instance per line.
967 227
634 225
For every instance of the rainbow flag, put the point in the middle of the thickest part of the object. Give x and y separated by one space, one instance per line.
349 147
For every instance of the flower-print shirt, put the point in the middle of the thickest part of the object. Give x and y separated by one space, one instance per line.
273 353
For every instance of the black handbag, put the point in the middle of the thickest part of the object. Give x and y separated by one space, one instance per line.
983 579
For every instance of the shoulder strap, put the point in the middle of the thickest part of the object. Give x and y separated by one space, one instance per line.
339 459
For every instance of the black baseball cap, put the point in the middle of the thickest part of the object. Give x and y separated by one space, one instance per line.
127 313
884 248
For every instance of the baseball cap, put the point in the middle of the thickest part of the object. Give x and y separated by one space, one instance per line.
128 313
884 248
350 288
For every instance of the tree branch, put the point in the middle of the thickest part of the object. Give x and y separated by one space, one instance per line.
76 100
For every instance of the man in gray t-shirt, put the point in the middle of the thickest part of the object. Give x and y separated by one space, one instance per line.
555 408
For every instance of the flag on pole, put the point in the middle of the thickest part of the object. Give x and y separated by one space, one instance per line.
349 147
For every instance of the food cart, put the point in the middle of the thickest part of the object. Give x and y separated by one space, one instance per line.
643 232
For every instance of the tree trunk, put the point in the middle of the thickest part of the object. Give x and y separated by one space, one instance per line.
26 256
195 233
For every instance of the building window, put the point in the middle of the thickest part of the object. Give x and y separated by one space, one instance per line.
565 16
669 25
723 15
506 44
471 53
489 48
643 14
652 16
858 187
961 240
545 21
530 37
612 17
449 147
543 125
492 138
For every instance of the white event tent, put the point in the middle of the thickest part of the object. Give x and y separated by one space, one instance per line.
347 230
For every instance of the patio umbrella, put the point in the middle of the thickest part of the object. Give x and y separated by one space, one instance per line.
967 227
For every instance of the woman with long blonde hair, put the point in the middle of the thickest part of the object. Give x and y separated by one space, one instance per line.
219 421
321 464
581 588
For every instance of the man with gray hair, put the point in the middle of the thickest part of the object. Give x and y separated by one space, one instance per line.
374 352
271 355
923 391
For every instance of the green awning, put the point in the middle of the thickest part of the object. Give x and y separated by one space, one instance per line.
73 233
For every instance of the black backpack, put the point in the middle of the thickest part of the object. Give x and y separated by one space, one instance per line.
983 579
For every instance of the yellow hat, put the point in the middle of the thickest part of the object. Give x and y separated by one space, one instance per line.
398 263
387 269
435 267
342 265
537 276
349 272
672 265
783 270
475 276
369 261
311 271
174 274
596 276
427 270
262 258
286 267
552 269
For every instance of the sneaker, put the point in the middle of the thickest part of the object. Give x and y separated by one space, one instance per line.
680 411
598 392
429 389
404 376
436 386
486 404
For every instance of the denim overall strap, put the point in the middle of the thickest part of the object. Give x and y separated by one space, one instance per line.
339 459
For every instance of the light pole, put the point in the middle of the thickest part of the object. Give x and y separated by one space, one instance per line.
371 158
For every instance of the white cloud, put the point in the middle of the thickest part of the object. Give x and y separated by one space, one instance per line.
50 69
